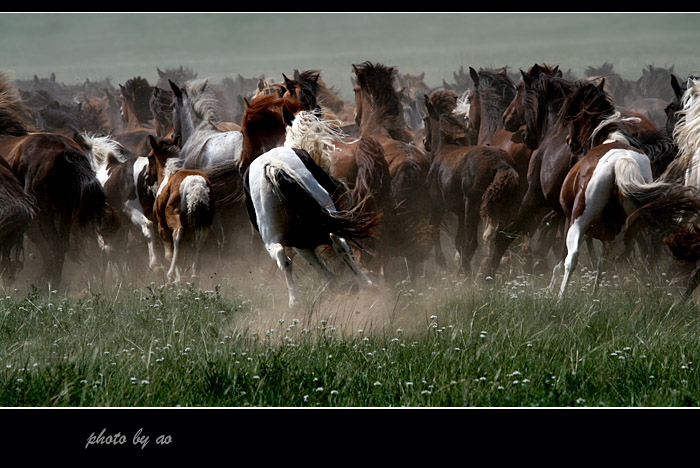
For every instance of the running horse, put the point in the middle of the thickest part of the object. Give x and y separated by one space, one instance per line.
474 182
53 169
290 203
684 241
183 209
194 119
17 212
379 115
611 187
123 178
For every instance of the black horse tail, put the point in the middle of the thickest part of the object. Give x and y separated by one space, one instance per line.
226 181
499 202
82 195
307 214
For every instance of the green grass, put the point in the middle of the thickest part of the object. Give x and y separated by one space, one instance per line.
445 342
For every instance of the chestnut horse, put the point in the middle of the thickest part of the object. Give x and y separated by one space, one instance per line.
379 115
53 169
474 182
604 190
183 208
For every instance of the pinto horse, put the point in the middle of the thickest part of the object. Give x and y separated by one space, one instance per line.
474 182
289 198
123 178
52 169
183 208
604 190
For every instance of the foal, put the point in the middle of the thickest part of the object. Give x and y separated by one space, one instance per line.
184 204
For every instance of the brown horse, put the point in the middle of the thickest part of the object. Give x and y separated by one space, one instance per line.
17 212
183 208
379 115
53 169
473 182
602 193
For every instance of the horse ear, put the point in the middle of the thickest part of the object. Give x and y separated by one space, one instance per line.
245 101
602 84
153 142
176 90
676 86
474 75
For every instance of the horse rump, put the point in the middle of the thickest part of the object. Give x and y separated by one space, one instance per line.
500 200
310 219
196 202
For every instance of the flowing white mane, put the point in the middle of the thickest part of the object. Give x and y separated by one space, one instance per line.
687 131
100 147
318 137
463 104
614 135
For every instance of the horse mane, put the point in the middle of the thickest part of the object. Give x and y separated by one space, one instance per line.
140 92
378 80
308 87
160 107
15 118
205 104
102 150
317 137
452 126
686 130
498 89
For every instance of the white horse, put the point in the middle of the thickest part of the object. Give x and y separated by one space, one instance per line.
123 178
195 118
290 200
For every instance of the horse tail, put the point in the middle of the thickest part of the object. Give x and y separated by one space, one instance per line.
499 201
306 211
684 243
373 180
226 182
84 195
196 202
409 189
663 206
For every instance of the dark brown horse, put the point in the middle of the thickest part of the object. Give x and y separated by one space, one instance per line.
474 182
53 169
17 212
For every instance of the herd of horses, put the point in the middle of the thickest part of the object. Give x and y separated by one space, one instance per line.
188 168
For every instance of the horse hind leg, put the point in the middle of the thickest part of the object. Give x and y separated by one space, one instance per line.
174 271
277 253
341 248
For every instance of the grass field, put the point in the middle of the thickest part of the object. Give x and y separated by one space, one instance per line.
442 342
